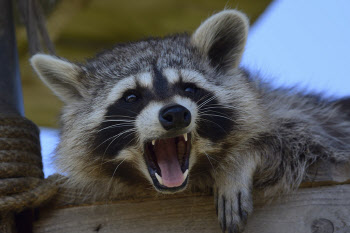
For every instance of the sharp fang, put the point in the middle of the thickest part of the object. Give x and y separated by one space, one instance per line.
185 174
153 142
159 178
185 137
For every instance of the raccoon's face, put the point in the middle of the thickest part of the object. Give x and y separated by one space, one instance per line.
154 108
158 119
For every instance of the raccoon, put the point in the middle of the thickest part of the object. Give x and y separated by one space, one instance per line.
178 113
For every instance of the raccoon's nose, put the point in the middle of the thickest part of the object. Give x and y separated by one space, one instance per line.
174 117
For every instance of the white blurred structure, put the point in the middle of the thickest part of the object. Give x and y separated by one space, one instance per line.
49 140
295 42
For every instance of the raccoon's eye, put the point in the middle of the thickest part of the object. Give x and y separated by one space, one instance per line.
130 98
190 89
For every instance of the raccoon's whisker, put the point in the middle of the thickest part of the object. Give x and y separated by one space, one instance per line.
209 160
216 108
125 123
132 140
113 141
115 137
126 131
124 116
130 131
102 162
215 115
119 120
215 124
211 113
211 157
110 181
107 161
207 101
221 104
118 167
216 112
120 116
202 98
209 106
131 111
110 123
115 126
121 124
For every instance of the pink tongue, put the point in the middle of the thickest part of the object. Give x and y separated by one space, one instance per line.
165 151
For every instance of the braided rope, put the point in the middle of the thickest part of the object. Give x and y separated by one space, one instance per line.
21 177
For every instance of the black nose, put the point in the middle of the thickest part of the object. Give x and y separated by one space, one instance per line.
174 117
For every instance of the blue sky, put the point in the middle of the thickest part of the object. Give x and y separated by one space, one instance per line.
304 43
295 42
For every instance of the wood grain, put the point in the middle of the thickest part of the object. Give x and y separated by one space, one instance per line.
309 210
325 173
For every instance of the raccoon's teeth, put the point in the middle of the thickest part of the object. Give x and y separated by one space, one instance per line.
159 178
153 142
185 174
185 137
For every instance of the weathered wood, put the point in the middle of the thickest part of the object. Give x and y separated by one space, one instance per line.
309 210
7 223
325 173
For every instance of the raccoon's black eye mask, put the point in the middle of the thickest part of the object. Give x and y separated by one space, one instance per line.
168 160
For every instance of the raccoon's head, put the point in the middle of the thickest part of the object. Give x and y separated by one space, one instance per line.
153 109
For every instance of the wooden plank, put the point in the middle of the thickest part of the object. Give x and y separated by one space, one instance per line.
316 210
320 174
325 173
308 210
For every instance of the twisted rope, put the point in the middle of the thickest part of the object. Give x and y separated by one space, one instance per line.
21 177
32 14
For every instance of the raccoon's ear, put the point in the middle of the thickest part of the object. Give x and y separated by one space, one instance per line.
222 38
61 76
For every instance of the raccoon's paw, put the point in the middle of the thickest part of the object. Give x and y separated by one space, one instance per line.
232 208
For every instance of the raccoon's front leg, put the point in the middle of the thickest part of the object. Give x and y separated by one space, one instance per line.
233 195
233 205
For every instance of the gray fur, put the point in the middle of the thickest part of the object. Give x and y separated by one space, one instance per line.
276 134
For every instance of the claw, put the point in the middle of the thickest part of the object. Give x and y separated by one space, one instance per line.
224 214
244 217
216 202
233 229
232 209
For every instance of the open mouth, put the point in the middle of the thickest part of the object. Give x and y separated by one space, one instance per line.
168 160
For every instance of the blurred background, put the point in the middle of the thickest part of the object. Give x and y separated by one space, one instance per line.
291 43
81 28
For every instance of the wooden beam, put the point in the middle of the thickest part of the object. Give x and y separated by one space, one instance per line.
311 209
308 210
324 173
